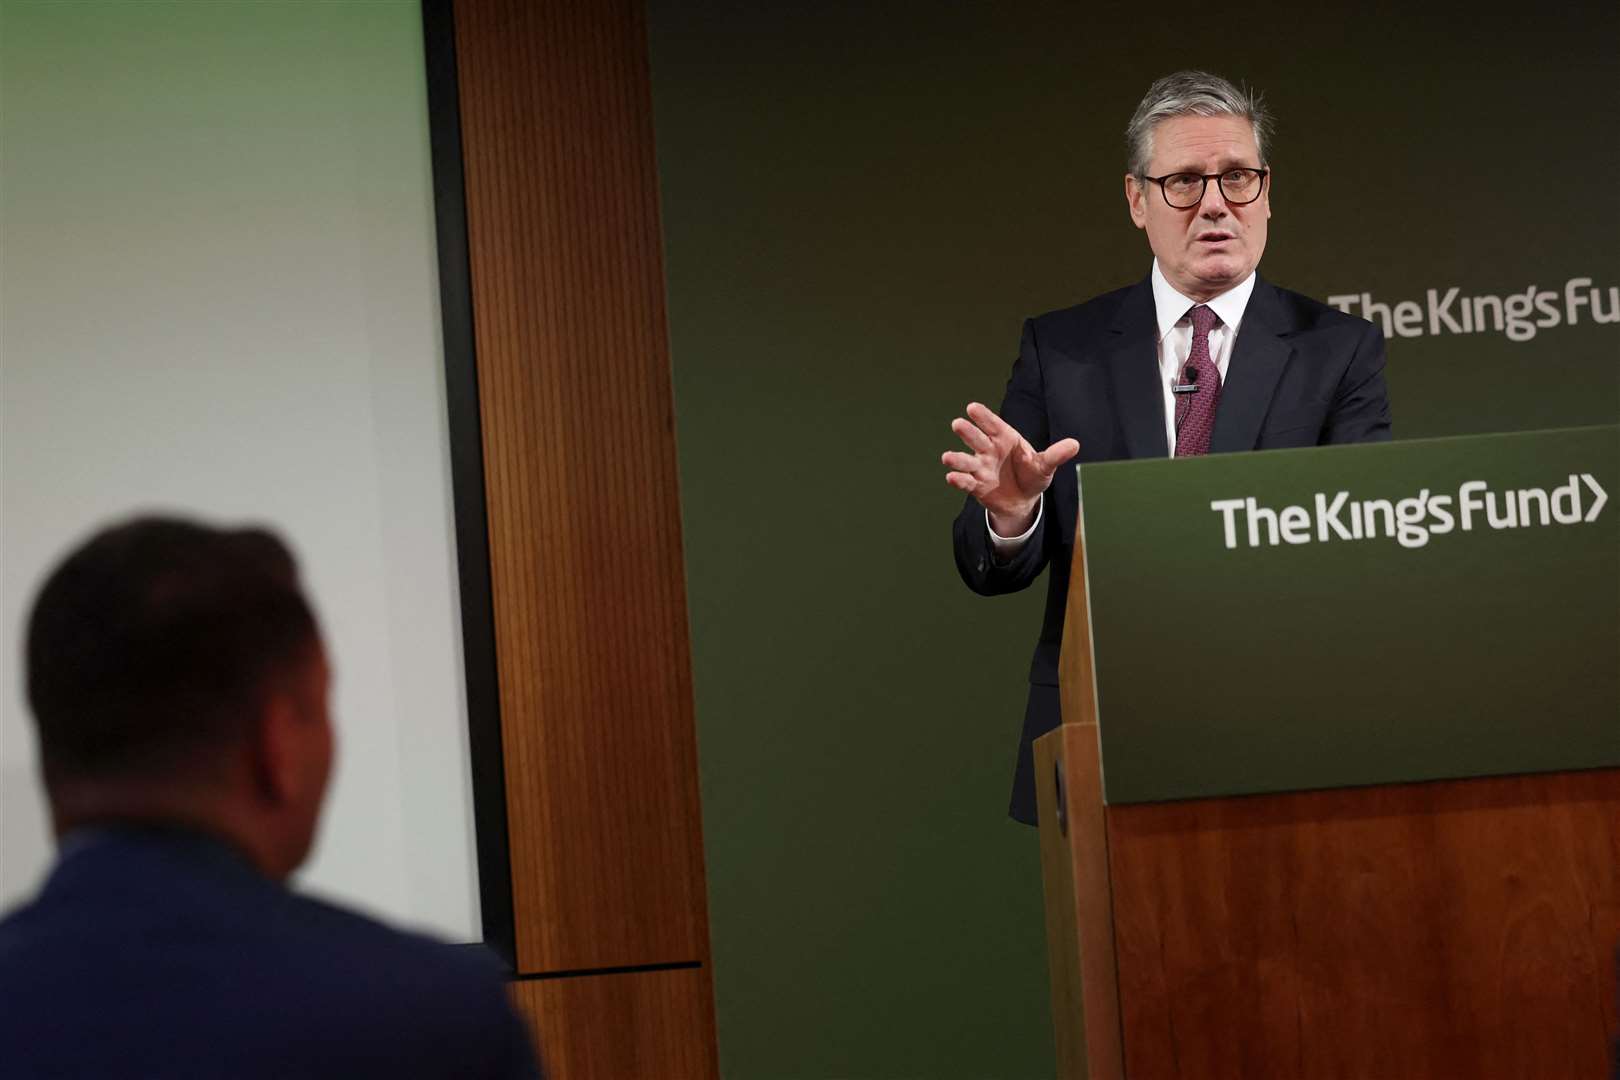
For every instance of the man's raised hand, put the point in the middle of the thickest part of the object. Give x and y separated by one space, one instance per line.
1003 472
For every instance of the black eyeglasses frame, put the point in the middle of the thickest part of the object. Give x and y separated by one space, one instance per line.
1204 188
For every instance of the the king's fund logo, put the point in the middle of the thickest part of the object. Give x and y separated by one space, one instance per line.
1519 316
1411 521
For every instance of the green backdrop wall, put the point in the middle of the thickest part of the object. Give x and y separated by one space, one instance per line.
860 208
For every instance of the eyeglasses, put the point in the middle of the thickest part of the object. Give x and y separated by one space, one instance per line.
1185 190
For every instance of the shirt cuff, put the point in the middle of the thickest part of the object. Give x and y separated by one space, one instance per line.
1006 547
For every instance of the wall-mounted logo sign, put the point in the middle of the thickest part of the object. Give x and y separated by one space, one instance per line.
1519 316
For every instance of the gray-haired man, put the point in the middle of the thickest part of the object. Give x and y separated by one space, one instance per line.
1202 356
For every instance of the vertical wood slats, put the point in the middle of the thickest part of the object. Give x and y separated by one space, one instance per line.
585 552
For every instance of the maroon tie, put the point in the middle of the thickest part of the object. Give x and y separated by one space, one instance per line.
1195 412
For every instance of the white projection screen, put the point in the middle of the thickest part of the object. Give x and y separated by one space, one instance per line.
219 297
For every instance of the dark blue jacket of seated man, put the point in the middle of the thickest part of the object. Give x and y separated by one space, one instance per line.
176 677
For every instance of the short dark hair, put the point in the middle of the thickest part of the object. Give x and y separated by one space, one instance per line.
151 644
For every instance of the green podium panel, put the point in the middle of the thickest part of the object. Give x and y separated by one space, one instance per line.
1353 615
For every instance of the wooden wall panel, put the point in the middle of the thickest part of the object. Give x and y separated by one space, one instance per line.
584 519
1463 928
619 1027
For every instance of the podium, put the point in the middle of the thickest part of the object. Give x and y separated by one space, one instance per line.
1337 790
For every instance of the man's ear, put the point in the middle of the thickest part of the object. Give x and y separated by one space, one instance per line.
276 747
1133 199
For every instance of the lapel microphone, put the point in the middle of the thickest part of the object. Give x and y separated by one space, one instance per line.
1189 383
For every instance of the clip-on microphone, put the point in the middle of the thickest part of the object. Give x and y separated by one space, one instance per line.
1189 383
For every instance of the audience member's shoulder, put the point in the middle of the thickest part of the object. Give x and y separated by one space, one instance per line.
17 936
407 954
290 987
391 981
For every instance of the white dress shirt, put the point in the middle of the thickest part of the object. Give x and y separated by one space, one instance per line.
1173 325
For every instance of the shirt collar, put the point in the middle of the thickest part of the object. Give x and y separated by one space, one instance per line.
172 834
1170 306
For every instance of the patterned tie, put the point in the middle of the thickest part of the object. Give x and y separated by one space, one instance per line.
1195 412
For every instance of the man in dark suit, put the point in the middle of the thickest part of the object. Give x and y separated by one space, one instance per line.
1202 356
179 689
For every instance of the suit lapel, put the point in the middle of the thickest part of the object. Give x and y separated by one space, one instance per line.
1133 363
1258 358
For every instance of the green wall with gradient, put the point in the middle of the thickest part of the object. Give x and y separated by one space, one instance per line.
860 206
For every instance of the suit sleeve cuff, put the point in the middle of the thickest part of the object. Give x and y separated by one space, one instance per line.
1005 547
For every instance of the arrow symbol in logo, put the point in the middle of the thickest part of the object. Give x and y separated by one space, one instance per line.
1602 497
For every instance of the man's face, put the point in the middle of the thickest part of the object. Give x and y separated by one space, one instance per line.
1205 249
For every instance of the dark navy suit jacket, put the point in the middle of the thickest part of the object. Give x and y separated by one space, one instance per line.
1301 374
161 953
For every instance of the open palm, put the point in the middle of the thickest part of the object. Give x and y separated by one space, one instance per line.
1003 471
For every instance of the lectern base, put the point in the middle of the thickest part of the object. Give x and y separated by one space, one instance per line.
1462 928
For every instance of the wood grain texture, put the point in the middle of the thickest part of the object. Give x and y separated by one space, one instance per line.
622 1027
1077 674
1079 914
584 518
1455 929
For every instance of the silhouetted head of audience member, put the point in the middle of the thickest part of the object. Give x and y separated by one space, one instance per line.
176 675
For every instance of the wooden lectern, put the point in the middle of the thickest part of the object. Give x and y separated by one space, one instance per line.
1323 886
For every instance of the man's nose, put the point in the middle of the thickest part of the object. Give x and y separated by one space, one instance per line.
1213 205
